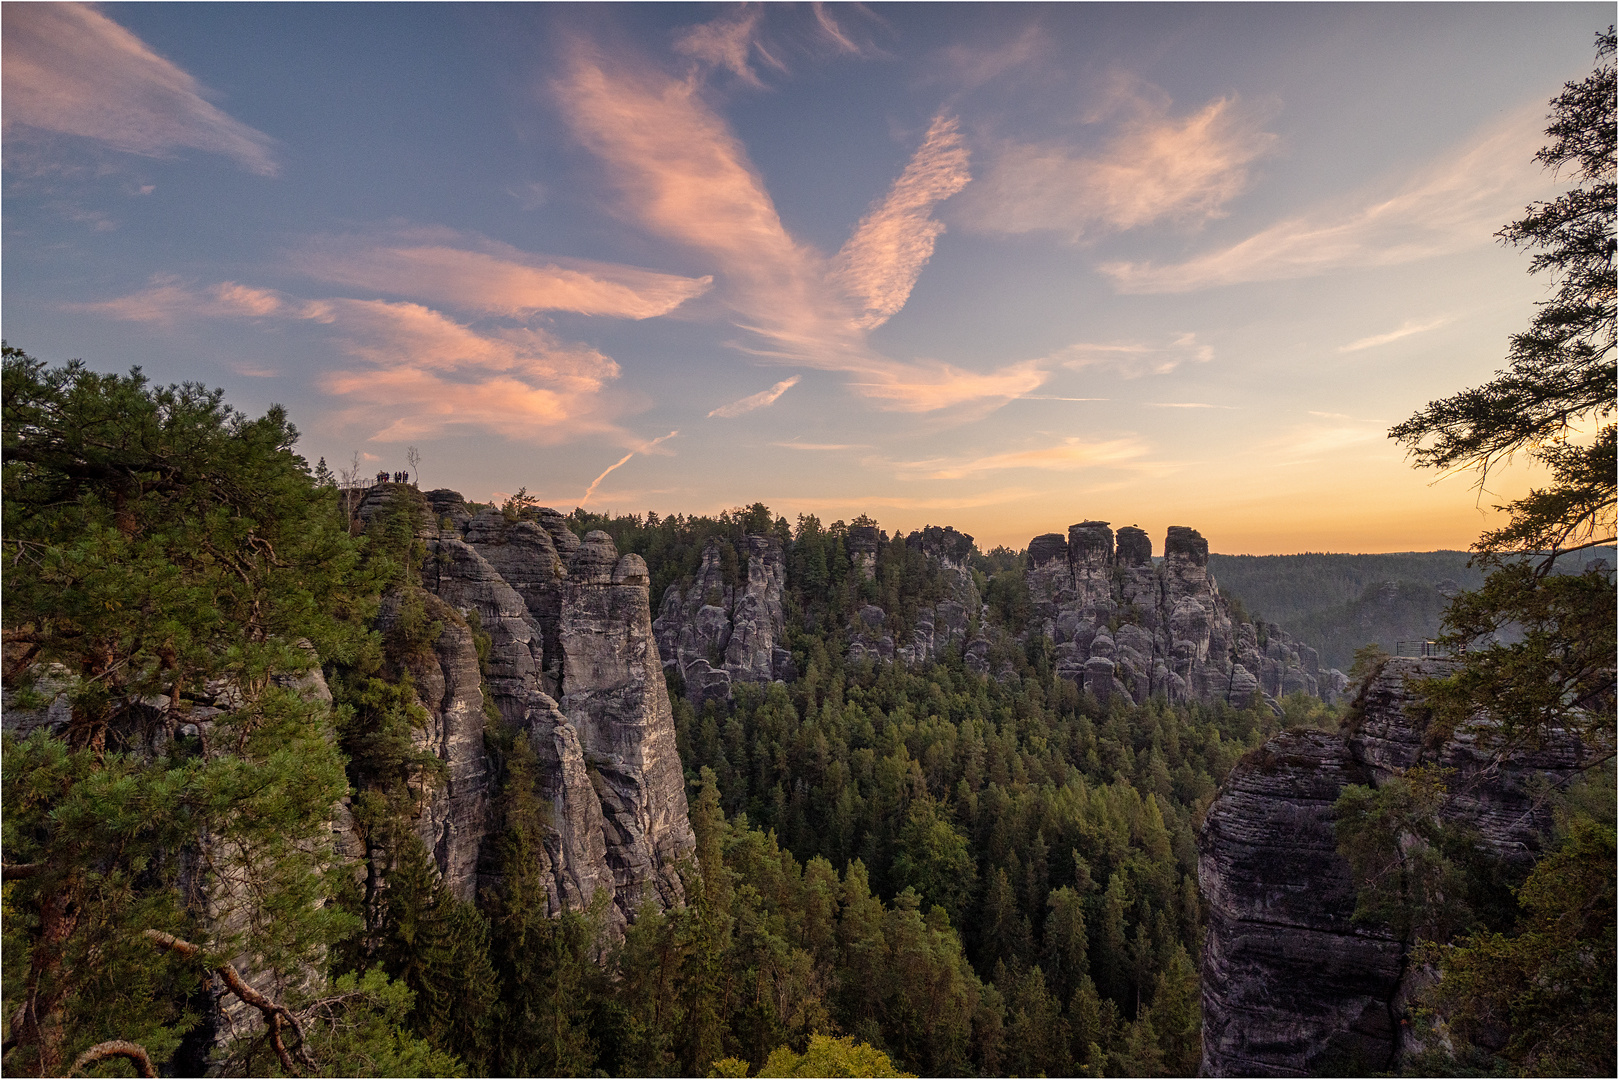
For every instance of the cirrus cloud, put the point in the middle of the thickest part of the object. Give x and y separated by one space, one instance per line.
1451 205
167 298
677 170
421 372
1156 167
883 258
1133 359
473 274
69 69
755 401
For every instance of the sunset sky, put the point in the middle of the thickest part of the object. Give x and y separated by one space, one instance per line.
1000 267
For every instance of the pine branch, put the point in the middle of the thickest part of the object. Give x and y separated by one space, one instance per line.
276 1015
112 1048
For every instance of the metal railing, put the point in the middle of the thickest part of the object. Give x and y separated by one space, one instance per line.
1419 648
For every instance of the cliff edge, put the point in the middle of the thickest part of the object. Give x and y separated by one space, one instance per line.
1291 986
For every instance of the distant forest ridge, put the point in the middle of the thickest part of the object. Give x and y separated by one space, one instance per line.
1284 587
1338 603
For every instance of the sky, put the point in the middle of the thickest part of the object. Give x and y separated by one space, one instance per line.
1000 267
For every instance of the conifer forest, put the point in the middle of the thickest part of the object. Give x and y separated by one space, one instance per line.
312 773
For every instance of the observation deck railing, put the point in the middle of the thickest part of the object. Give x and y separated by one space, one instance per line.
1427 648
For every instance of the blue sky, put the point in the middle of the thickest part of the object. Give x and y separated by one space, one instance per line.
1003 267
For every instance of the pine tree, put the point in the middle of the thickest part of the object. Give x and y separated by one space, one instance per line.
1561 379
547 969
438 946
174 575
1036 1033
1066 949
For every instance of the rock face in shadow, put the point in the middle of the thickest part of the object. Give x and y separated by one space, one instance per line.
1292 987
454 817
572 662
1126 626
1288 980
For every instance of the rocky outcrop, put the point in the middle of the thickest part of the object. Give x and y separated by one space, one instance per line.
715 634
935 627
454 818
571 661
614 696
1291 986
863 541
1125 625
1289 983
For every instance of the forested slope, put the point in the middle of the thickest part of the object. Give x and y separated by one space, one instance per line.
969 873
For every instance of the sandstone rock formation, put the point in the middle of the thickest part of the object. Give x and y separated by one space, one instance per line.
1123 625
454 819
1292 987
572 661
935 627
863 541
715 634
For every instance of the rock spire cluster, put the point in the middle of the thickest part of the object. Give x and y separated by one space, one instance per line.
1126 625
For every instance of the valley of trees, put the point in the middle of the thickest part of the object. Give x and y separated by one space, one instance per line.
969 875
922 871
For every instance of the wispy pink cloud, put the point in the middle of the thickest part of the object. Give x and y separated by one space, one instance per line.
422 371
68 68
974 65
1133 359
925 386
479 275
726 42
832 31
678 171
427 373
881 261
755 401
1156 167
1406 329
168 298
1454 204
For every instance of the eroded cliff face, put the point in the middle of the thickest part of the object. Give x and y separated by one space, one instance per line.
715 635
1291 986
572 661
1123 625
